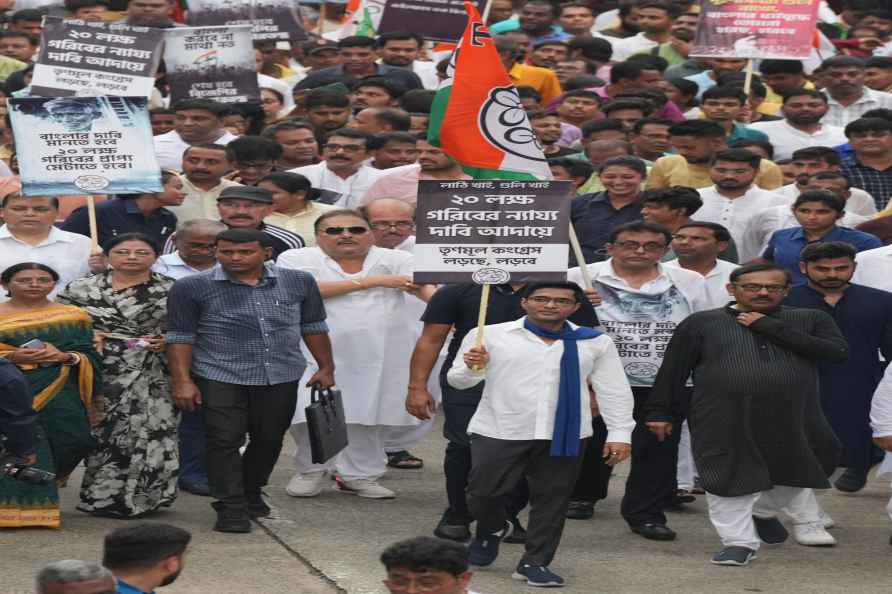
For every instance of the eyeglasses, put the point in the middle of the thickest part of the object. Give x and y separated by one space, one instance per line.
562 301
385 225
357 230
634 246
347 148
756 288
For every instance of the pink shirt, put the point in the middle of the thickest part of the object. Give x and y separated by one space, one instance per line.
402 184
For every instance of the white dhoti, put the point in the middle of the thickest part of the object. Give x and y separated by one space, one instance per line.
732 517
363 458
686 472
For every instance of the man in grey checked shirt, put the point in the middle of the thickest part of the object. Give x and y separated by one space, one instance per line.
234 335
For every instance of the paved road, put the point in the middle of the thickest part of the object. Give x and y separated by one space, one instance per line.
320 545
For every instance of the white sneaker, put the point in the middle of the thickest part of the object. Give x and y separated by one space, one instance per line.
813 535
306 485
365 488
827 521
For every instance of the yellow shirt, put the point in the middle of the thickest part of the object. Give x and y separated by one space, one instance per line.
674 170
772 97
302 222
199 203
542 79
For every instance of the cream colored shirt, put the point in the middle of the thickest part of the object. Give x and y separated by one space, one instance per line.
302 222
200 204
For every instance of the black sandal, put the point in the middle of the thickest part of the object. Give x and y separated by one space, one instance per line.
404 460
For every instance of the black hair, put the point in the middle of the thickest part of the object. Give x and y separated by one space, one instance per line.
531 288
116 240
826 198
842 62
582 93
884 62
884 113
720 232
575 167
814 94
592 48
210 146
650 121
250 148
566 5
762 144
616 104
208 105
538 114
817 153
697 129
72 5
673 11
399 36
143 545
592 126
29 15
582 82
32 39
867 125
654 97
675 197
830 175
418 100
723 93
762 267
393 89
353 133
398 119
285 125
291 183
17 268
781 67
827 250
357 41
684 86
426 553
53 199
626 71
629 162
326 98
879 13
650 62
738 156
161 111
245 236
639 227
555 10
380 140
527 92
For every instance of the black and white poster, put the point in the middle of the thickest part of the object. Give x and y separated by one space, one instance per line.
439 20
270 19
211 63
491 231
84 145
96 58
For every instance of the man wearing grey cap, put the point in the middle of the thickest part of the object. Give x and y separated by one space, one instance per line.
245 207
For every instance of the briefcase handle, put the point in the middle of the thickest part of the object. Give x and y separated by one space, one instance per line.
317 393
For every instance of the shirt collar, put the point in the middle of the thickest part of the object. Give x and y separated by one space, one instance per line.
269 271
130 206
55 235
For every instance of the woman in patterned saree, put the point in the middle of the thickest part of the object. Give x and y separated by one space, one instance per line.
60 374
134 468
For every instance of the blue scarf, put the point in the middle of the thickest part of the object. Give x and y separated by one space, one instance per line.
565 439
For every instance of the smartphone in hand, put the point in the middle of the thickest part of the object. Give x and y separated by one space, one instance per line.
34 343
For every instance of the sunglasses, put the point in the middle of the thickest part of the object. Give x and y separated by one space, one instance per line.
357 230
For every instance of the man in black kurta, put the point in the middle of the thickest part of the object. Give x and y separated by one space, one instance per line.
756 425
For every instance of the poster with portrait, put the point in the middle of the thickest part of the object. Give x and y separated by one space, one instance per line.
211 63
438 20
762 29
270 19
491 231
84 145
96 58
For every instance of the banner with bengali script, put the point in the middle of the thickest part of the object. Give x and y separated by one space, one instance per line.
438 20
270 19
491 231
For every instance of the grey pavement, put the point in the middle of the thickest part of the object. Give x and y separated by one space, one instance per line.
332 542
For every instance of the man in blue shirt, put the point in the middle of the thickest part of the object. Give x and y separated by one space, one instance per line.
817 212
537 19
145 556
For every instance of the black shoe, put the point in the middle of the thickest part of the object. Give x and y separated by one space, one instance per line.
851 481
518 534
256 507
232 519
770 530
654 531
580 510
196 488
452 531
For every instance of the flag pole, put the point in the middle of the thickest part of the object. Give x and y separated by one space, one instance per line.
94 231
580 259
748 81
485 16
481 317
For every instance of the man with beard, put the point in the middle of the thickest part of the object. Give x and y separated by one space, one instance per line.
628 20
394 149
375 92
864 316
757 361
197 121
327 110
870 167
71 576
802 125
577 19
537 19
548 53
204 168
543 80
402 183
697 142
401 49
783 77
842 77
579 106
655 21
650 137
298 141
145 556
807 163
734 198
358 57
150 13
547 127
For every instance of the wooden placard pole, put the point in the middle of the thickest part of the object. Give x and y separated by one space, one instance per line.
485 16
94 230
481 316
748 81
322 16
580 259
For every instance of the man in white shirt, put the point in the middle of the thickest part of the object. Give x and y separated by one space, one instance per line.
343 172
881 423
29 235
655 20
697 245
534 417
204 168
874 268
639 302
735 198
843 79
802 127
401 50
198 121
808 162
365 289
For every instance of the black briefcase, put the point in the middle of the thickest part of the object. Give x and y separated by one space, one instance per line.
326 423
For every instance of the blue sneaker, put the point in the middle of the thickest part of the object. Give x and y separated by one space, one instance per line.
483 551
537 575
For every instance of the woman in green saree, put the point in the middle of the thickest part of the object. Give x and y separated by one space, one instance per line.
60 372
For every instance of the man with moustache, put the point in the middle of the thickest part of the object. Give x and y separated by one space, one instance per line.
864 315
298 141
197 121
204 169
754 360
394 149
801 126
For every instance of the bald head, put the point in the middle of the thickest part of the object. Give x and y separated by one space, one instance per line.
392 221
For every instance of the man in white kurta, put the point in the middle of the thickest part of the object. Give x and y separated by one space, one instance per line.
365 289
881 423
